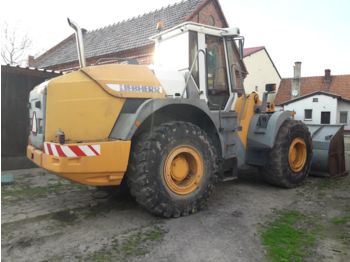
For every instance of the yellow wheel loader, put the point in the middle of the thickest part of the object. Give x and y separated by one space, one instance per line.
169 131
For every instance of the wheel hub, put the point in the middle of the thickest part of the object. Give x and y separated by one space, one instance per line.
183 169
179 168
297 154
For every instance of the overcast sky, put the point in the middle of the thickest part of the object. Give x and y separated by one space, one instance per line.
316 32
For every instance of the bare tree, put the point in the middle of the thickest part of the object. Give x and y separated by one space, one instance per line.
14 46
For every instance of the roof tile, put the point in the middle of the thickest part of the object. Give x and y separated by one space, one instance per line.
251 50
124 35
339 85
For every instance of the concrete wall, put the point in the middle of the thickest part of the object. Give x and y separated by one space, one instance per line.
260 72
325 103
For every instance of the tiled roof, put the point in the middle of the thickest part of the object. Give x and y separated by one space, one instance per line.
124 35
252 50
313 94
339 86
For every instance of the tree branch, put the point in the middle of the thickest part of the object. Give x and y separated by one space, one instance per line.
14 46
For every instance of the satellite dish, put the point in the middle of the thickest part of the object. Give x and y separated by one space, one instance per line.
295 92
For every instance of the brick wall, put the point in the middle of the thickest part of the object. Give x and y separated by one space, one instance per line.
209 15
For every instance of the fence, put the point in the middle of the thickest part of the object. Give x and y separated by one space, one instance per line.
16 83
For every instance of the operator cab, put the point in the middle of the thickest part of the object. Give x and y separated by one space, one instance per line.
194 60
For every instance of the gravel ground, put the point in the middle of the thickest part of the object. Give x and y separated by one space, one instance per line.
46 218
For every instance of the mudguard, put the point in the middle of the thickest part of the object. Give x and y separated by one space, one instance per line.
262 134
130 120
263 129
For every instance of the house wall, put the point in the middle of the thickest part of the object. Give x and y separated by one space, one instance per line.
344 106
260 72
325 103
209 15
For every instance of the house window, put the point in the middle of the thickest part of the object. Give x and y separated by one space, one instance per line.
308 114
315 99
211 20
343 117
325 117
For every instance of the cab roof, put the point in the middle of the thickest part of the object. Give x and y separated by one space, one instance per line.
192 26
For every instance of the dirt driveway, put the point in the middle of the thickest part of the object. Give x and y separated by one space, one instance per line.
45 218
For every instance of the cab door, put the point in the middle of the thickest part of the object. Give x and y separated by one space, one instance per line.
218 92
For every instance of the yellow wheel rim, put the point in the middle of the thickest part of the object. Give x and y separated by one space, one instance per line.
183 170
297 154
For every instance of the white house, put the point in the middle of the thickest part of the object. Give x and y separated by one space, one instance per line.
261 71
316 100
320 108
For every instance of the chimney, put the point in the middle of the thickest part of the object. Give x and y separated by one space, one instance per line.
327 75
30 61
296 80
297 69
160 25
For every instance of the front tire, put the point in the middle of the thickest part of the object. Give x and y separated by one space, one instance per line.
289 161
173 169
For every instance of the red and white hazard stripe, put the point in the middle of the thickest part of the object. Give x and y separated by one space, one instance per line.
59 150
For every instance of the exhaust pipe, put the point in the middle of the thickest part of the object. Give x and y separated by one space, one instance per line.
79 40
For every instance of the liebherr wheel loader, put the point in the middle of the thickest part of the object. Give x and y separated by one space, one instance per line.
168 131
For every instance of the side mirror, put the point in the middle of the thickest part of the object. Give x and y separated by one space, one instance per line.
240 44
270 87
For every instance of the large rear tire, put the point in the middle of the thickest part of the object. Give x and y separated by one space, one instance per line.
173 169
289 161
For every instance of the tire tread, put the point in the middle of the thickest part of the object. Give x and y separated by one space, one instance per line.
145 189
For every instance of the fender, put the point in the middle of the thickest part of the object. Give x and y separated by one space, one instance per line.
129 121
262 134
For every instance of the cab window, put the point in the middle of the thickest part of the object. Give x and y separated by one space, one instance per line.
233 61
217 86
193 39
